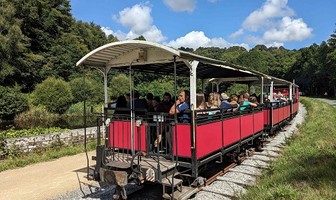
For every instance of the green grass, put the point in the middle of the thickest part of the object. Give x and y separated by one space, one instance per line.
307 168
42 156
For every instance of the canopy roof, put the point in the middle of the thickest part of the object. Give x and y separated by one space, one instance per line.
156 58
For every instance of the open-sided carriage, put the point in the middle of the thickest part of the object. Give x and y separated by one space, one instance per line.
127 155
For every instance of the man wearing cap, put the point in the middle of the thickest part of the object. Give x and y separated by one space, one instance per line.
225 105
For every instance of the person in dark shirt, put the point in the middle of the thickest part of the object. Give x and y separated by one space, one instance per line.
225 104
182 104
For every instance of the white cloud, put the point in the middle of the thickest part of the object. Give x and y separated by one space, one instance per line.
140 22
264 16
289 30
237 34
107 30
273 24
181 5
196 39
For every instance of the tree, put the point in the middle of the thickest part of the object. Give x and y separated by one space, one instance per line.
12 102
54 94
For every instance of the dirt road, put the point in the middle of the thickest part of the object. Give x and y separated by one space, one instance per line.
45 180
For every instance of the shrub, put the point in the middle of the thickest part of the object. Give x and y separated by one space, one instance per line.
12 102
35 117
92 90
119 85
54 94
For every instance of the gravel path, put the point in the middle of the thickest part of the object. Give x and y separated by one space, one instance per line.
234 183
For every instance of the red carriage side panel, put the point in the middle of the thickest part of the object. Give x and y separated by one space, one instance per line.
287 111
208 138
275 116
267 119
246 126
231 131
183 140
281 113
258 119
120 135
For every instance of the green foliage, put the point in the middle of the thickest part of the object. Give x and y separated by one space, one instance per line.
157 87
119 85
12 133
91 91
35 117
54 94
12 102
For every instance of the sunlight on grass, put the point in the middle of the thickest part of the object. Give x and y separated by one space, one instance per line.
307 168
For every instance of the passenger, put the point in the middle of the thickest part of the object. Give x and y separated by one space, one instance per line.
149 100
166 103
200 103
156 104
234 102
121 103
209 103
225 105
253 99
246 102
138 103
182 104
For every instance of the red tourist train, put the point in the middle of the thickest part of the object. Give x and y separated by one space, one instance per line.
128 153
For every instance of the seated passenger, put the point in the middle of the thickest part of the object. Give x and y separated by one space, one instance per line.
138 103
234 102
253 99
200 103
182 104
225 104
246 103
166 103
121 103
213 102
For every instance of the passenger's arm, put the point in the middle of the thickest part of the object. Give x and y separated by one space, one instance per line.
174 110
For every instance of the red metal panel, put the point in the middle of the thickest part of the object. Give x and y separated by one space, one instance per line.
281 114
287 111
140 138
231 131
183 140
267 119
246 126
275 116
208 138
258 121
120 135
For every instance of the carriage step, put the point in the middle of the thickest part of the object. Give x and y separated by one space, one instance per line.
174 184
169 181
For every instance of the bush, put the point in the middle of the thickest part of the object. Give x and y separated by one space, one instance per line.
54 94
35 117
12 102
92 90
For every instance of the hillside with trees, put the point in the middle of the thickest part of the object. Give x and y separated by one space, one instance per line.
41 42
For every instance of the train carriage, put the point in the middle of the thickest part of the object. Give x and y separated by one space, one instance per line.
127 155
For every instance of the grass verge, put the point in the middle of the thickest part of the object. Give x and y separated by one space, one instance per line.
307 168
45 155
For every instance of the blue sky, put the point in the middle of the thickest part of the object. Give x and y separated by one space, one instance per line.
293 24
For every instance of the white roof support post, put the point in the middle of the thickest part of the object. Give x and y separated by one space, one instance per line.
271 92
262 90
193 83
291 92
105 90
217 86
